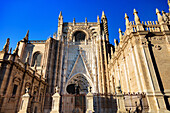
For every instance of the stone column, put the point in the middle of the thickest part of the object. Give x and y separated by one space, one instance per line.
56 102
24 102
89 101
120 101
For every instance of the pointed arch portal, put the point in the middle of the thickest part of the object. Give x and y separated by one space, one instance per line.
78 84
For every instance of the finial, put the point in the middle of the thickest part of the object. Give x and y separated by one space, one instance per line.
134 11
6 46
120 35
163 12
86 20
26 36
126 16
164 16
158 13
115 41
74 21
137 20
98 20
60 14
103 14
17 48
60 18
126 21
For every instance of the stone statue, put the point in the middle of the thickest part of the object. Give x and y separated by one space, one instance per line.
26 90
56 89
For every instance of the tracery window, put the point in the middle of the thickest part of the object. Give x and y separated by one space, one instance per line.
37 59
79 36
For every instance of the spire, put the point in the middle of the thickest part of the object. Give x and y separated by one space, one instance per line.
6 46
17 48
136 18
60 15
74 21
103 14
10 50
26 36
60 18
126 21
86 20
120 35
98 20
158 13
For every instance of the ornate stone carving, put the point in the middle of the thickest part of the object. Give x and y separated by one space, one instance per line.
158 47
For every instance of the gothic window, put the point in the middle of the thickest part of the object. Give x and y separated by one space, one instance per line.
34 95
16 83
79 36
14 90
36 59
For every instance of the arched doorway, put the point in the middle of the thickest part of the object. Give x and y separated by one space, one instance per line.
74 101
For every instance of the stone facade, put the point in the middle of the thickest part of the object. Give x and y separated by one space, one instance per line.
91 74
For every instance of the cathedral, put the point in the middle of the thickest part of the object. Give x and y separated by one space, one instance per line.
77 70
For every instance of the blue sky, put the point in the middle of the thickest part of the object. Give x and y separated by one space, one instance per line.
41 16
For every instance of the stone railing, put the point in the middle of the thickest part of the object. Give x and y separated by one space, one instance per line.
37 41
151 26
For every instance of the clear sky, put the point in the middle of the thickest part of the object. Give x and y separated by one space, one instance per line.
41 16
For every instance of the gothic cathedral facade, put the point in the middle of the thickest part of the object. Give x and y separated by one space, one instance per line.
130 76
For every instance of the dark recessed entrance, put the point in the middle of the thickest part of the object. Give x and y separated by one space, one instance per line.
71 89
